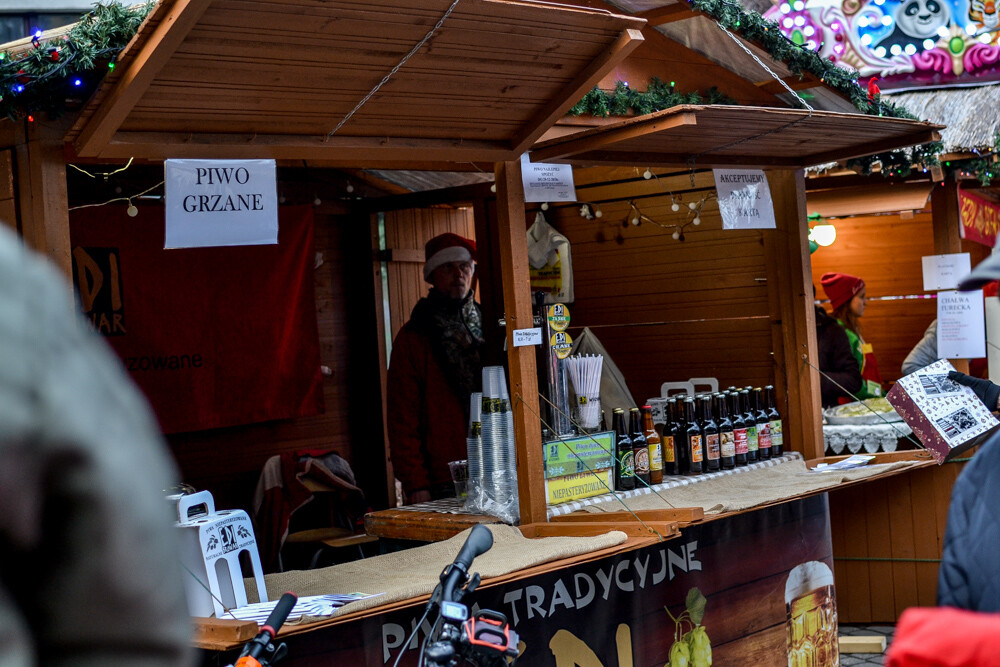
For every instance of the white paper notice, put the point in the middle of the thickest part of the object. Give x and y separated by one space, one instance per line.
961 329
524 337
547 182
944 271
220 203
744 199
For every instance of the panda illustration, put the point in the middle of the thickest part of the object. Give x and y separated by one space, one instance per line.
917 20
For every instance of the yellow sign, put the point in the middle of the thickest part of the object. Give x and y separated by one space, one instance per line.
558 316
562 344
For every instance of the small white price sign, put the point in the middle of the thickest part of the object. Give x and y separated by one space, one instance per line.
524 337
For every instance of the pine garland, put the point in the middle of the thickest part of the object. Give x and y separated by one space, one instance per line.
54 75
657 97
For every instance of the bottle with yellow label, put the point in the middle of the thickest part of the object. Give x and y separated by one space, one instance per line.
654 444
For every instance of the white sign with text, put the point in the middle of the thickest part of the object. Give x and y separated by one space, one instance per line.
546 182
944 271
524 337
961 328
744 199
220 203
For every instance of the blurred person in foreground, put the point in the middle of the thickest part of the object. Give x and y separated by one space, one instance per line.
435 367
89 567
969 577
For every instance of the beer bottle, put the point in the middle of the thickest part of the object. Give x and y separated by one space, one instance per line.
750 421
640 449
671 438
727 440
624 466
739 428
763 425
777 435
654 442
693 438
710 434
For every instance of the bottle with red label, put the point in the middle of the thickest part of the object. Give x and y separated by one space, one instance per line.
710 434
739 428
693 439
727 440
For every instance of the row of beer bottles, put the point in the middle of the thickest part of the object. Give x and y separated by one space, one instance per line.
705 433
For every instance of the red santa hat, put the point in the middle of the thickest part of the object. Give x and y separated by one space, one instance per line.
840 287
446 248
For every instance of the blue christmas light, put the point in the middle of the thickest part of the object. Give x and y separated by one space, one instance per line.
77 82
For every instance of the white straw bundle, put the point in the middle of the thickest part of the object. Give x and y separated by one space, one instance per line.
585 374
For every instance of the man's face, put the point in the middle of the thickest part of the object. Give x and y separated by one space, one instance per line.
453 278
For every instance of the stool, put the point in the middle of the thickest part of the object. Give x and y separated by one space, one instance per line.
211 546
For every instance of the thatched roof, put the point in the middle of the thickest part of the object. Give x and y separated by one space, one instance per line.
970 114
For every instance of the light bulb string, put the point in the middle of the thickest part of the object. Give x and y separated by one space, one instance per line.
118 199
103 174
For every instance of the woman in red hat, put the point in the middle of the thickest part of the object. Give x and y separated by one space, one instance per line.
848 300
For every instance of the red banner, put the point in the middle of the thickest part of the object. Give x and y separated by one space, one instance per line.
213 336
980 218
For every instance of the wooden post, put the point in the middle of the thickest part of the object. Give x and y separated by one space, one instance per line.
790 287
383 358
947 239
44 200
519 315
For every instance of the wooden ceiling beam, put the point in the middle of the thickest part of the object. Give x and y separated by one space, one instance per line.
667 14
168 35
557 106
595 139
359 152
613 158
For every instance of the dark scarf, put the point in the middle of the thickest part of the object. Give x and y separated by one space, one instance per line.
454 328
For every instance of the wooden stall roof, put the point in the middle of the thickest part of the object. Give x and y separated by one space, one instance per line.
247 78
705 136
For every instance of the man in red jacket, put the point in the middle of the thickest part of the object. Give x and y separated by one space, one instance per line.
434 369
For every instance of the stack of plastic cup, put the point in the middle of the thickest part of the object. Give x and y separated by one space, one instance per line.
499 470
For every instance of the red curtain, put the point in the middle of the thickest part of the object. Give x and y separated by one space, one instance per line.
213 336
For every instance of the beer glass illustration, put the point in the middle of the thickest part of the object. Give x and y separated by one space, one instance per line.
812 616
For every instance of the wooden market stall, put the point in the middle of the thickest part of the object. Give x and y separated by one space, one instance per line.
201 79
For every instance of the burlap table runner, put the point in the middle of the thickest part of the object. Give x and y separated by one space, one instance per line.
414 572
748 489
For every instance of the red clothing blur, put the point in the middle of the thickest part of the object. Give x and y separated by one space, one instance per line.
945 637
426 418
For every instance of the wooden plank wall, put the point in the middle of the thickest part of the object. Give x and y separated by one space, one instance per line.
8 193
228 461
885 251
665 309
887 541
407 231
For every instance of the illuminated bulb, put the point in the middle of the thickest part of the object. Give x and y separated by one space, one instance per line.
799 5
985 38
493 188
809 31
77 82
866 39
785 8
132 210
647 174
675 207
943 31
895 49
788 22
696 221
863 22
910 49
544 206
317 201
824 235
928 44
635 221
887 20
598 213
800 21
880 52
970 29
692 205
349 188
676 235
879 2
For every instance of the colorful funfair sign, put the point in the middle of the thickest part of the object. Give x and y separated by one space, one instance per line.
905 42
